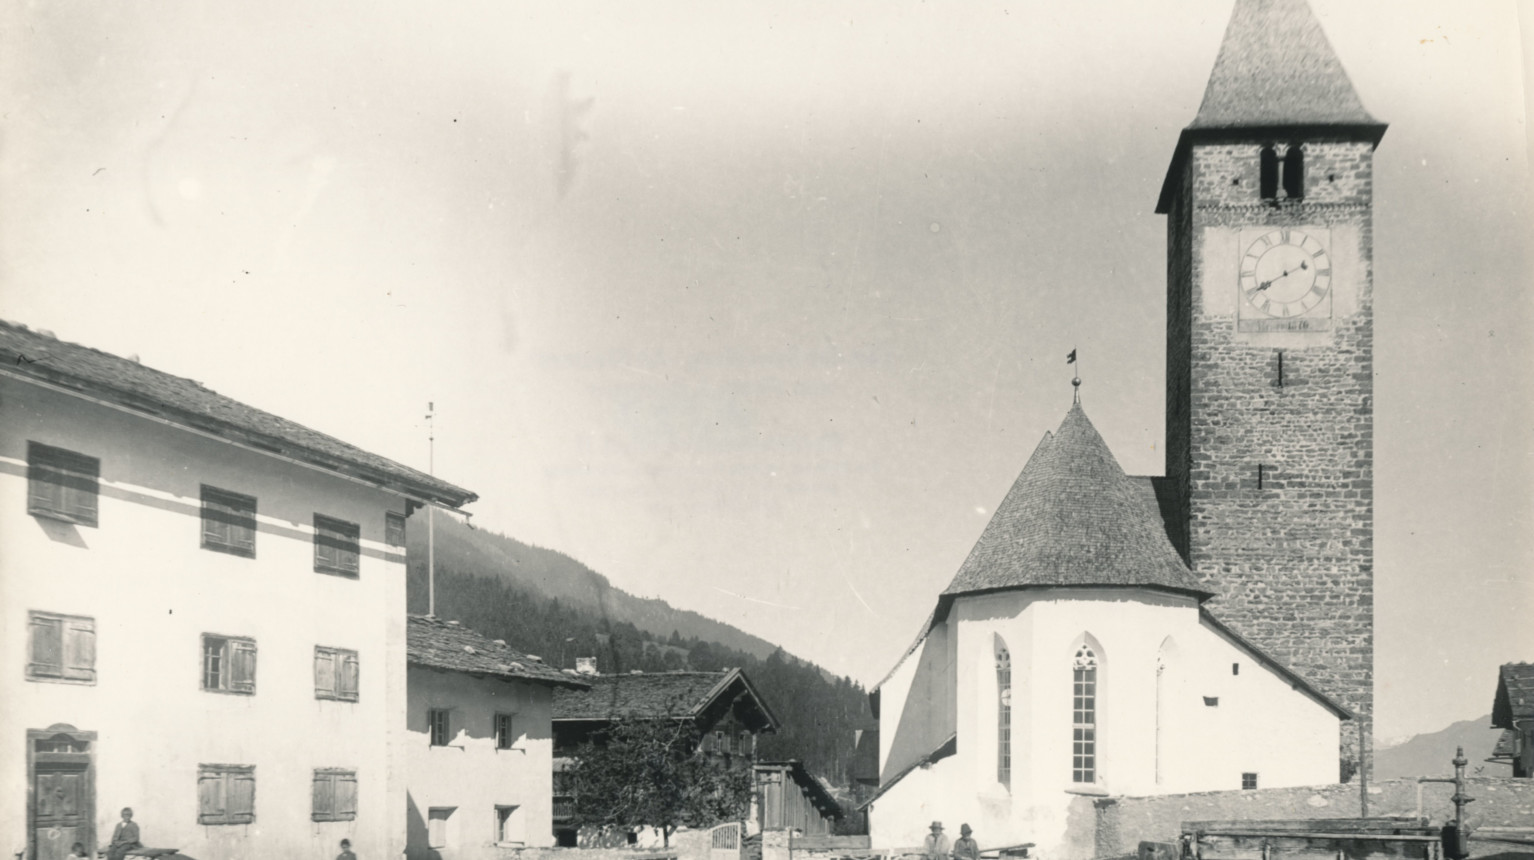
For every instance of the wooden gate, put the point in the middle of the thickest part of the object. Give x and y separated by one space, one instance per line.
724 842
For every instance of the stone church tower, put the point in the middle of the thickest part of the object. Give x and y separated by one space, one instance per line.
1269 403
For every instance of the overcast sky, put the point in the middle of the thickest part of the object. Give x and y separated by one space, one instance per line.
761 308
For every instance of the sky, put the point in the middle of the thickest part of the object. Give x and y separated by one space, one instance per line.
760 308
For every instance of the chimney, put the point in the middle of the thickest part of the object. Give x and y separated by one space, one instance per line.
586 665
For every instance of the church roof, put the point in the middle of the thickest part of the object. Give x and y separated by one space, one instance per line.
1276 68
1074 519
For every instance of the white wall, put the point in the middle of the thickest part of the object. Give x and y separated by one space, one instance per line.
153 591
1261 723
470 775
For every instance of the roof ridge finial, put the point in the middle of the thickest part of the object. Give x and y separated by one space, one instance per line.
1076 378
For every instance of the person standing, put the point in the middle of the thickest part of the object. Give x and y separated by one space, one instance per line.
346 851
937 846
966 848
124 837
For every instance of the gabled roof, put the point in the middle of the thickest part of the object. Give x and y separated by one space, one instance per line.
1515 695
1275 72
125 383
1073 518
661 695
1276 68
448 645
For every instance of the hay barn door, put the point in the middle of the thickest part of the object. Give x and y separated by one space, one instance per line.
724 842
62 782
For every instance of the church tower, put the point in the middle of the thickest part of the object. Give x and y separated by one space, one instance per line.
1269 409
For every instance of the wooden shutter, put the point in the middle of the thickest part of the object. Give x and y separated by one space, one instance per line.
324 672
242 796
350 536
326 551
45 483
347 686
242 665
215 520
210 797
47 647
345 796
324 796
80 649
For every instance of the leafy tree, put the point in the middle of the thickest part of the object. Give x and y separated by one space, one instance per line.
648 773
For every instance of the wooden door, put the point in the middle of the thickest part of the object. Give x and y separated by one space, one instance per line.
62 791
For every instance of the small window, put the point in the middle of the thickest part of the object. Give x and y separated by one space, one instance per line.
1211 701
1294 172
335 795
1268 173
62 485
394 529
1235 668
228 522
228 664
226 794
63 648
1248 781
436 725
508 826
438 826
335 674
335 546
503 732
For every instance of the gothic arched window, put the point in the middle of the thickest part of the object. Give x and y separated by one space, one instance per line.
1267 173
1084 715
1294 172
1003 716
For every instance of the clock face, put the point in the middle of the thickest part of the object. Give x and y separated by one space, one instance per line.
1285 273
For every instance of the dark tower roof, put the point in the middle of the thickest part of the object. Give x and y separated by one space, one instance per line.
1073 518
1276 68
1276 75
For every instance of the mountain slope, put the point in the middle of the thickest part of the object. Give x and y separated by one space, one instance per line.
1432 754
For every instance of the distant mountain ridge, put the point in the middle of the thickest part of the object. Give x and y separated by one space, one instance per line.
1432 754
558 576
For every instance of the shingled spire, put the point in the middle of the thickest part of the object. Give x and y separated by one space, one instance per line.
1276 68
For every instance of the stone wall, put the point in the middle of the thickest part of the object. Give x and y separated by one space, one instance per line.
1122 823
1289 554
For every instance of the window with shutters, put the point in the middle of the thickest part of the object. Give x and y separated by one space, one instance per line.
228 664
62 485
394 529
436 724
228 522
335 794
335 673
63 648
510 828
226 794
439 826
505 738
335 546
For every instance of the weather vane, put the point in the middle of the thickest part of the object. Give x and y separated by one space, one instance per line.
1075 379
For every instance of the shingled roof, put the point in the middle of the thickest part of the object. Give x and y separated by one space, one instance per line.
448 645
1276 68
654 695
122 382
1073 518
1515 695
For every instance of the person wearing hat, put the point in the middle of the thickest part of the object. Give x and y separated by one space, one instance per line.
937 846
966 848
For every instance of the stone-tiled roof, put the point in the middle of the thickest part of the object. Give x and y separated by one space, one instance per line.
1073 518
658 695
1515 695
124 382
1276 68
437 644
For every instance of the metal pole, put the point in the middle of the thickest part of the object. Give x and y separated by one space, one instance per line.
431 530
1363 771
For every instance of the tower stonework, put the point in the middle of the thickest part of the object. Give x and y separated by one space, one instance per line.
1270 415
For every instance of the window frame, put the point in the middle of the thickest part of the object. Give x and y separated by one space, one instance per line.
227 776
228 648
63 485
1249 781
329 779
504 723
1084 695
236 513
506 814
438 719
440 836
394 529
82 645
1004 717
337 547
339 658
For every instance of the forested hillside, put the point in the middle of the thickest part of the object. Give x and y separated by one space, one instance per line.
549 604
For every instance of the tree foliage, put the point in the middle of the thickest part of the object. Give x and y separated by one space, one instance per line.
648 773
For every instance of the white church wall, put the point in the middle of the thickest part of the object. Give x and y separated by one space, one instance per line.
917 705
901 817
